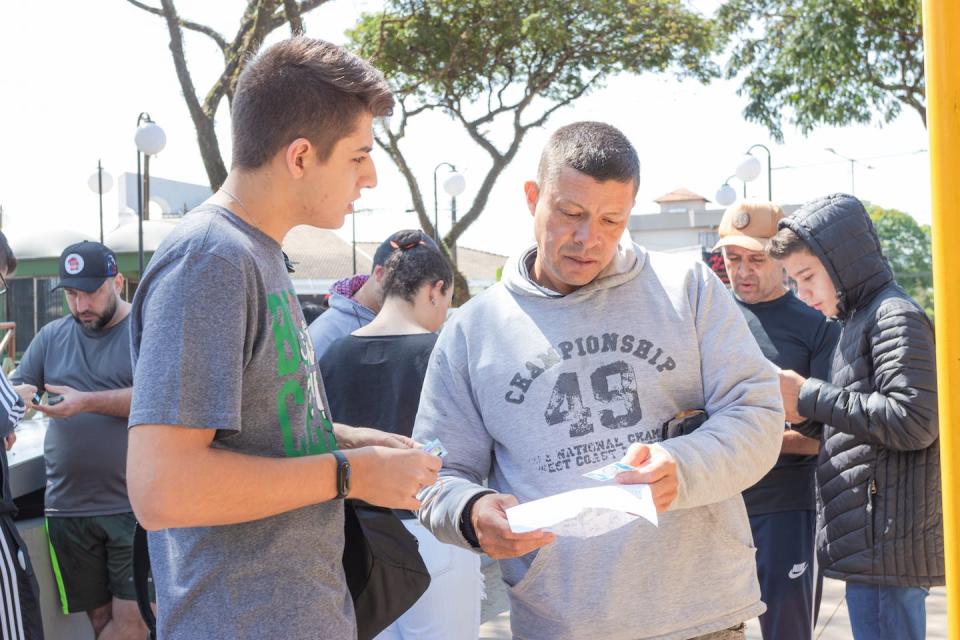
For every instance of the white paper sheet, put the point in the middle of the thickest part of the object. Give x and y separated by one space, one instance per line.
585 513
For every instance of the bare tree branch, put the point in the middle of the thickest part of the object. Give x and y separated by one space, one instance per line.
206 133
292 11
539 122
392 147
474 132
279 17
254 27
187 24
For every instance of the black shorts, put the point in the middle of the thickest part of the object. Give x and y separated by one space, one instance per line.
19 594
92 559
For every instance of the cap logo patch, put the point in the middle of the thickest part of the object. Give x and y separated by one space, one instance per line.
111 264
742 220
73 264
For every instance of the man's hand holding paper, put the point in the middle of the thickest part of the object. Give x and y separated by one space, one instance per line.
493 531
653 466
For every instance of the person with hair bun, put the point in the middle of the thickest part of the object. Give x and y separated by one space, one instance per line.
373 378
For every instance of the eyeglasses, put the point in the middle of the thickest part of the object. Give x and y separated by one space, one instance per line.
3 285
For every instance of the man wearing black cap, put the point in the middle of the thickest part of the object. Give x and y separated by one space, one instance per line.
83 363
354 301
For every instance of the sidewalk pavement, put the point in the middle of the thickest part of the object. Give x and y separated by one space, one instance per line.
834 623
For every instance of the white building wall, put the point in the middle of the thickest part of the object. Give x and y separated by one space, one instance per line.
662 240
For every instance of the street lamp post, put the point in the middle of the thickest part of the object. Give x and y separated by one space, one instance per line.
100 183
150 140
852 162
749 169
353 238
353 234
453 185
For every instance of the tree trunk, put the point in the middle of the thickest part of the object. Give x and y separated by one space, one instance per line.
210 152
461 288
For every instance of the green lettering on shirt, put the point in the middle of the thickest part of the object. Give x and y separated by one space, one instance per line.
294 350
284 335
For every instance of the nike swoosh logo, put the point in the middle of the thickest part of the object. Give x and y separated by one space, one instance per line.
797 571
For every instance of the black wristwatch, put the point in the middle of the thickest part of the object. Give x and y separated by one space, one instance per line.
343 475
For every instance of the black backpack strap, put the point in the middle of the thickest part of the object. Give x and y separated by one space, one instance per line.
141 572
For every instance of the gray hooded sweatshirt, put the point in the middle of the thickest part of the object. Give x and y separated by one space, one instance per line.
529 389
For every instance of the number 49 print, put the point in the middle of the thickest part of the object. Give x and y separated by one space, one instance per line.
619 402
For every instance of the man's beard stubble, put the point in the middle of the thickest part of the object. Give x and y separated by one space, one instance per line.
102 320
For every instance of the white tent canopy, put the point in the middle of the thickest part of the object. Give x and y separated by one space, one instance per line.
48 243
124 239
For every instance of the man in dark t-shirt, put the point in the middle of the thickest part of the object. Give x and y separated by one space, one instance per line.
782 506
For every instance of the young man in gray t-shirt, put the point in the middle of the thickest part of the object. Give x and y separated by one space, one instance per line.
234 465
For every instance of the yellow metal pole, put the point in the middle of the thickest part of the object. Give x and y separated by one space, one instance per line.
941 40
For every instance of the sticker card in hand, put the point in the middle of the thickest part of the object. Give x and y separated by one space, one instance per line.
609 472
434 448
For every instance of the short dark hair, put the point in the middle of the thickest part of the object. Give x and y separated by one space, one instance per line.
596 149
413 263
785 243
302 88
8 261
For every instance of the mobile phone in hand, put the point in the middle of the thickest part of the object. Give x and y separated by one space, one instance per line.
53 399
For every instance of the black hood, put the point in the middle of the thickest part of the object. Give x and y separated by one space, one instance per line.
839 231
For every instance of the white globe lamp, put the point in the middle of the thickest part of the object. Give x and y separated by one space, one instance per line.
150 138
749 168
454 184
726 195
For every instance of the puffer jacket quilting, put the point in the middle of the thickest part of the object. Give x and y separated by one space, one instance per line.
880 519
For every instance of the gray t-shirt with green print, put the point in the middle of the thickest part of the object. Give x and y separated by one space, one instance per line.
219 342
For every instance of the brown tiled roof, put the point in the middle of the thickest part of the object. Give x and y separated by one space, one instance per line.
476 265
319 254
680 195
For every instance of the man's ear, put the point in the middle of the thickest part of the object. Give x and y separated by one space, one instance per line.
297 155
532 191
118 282
378 272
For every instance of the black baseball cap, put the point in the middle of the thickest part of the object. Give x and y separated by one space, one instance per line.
85 266
386 247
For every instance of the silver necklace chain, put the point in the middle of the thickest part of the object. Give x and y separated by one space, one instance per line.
242 206
253 221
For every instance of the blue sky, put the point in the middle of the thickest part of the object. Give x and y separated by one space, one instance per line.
76 75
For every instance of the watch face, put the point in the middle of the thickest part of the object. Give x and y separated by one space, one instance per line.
343 475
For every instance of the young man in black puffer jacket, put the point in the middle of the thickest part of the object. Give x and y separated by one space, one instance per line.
880 527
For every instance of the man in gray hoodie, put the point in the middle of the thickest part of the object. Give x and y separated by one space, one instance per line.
576 360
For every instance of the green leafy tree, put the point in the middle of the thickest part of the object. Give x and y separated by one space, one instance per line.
906 245
501 69
831 62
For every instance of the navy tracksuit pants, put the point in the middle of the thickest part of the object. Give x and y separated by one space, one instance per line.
790 580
